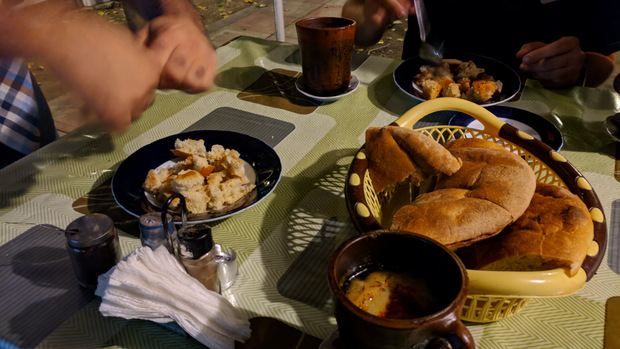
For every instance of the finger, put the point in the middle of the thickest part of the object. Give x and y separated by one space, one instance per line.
529 47
161 46
194 72
572 59
174 71
197 78
200 76
540 54
559 47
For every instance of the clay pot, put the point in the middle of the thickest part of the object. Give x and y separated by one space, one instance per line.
440 268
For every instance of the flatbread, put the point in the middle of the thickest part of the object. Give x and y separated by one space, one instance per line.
451 217
555 231
388 163
396 154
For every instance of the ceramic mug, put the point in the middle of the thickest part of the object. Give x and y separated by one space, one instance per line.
435 267
326 45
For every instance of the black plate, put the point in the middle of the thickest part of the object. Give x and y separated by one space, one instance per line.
130 175
528 122
404 73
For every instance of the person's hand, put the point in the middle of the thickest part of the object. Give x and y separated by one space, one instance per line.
557 64
184 52
102 63
373 16
384 12
116 81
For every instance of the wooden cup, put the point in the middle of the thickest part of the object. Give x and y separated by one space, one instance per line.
326 45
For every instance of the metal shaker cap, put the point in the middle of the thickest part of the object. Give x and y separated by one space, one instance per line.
89 230
195 240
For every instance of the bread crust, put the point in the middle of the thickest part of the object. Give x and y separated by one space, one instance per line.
492 173
451 217
490 190
555 231
388 164
426 153
396 153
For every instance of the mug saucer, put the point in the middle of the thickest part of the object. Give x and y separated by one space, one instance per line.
353 85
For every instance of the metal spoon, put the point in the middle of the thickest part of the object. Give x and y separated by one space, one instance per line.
427 51
612 123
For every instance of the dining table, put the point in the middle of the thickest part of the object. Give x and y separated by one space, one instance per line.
284 242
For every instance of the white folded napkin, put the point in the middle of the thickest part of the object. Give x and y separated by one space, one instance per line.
153 285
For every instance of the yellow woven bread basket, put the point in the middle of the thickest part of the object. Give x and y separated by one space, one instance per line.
492 295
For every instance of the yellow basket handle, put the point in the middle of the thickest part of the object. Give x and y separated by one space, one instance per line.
490 122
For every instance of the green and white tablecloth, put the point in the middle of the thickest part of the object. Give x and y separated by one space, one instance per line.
282 243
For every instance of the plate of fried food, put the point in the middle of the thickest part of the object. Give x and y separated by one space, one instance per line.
219 173
479 79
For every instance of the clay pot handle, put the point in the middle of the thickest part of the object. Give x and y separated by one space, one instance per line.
458 335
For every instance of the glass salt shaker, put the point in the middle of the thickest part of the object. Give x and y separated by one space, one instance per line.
196 250
198 256
93 246
153 233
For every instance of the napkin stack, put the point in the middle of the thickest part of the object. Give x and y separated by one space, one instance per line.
153 285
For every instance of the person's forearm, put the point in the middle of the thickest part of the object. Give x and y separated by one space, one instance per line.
24 29
56 31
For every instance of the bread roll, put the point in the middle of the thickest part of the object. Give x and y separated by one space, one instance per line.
190 146
426 153
397 153
555 231
491 189
491 173
388 164
472 143
451 217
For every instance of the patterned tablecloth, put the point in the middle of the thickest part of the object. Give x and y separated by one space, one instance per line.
282 243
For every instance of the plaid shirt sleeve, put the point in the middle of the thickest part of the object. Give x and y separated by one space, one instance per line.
18 110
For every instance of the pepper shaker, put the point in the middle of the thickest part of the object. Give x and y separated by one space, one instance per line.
93 246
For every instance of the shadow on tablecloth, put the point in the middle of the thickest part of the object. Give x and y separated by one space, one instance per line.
38 289
306 279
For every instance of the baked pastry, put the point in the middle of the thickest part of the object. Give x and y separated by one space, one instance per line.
555 231
399 153
426 153
491 189
491 173
451 217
